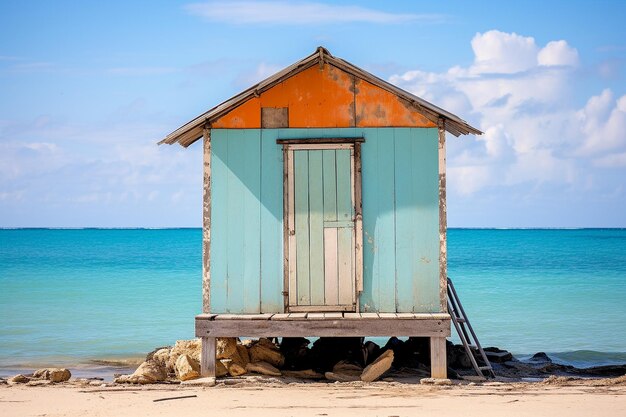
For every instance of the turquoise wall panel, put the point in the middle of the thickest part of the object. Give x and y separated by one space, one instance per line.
417 221
400 218
235 221
219 220
379 260
271 223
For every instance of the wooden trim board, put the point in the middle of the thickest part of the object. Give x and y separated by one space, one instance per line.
320 327
443 223
206 222
313 141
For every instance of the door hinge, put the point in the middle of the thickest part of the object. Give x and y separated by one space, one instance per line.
286 293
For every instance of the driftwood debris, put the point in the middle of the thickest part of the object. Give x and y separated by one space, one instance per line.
174 398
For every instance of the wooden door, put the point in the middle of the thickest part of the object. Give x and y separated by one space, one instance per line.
321 261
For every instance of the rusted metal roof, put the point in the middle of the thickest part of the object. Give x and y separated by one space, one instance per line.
192 131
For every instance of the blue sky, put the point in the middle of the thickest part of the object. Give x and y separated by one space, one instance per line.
88 88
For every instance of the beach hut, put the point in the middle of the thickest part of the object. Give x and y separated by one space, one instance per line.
324 209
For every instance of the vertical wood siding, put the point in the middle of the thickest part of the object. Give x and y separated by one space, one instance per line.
271 224
246 222
324 228
400 218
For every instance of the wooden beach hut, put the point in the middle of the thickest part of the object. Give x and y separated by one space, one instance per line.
324 209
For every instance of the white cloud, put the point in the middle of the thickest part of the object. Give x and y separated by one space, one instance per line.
603 122
298 13
112 174
520 94
617 160
558 53
500 52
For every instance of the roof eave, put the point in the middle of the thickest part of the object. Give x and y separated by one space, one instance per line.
192 130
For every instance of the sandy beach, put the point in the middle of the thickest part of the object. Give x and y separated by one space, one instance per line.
560 398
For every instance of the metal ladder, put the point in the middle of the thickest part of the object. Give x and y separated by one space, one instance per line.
462 324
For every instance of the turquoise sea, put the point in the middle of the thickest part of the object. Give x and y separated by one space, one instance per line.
76 297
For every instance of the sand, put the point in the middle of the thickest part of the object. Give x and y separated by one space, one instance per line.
561 398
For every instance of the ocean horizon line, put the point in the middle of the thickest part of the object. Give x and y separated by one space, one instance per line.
200 227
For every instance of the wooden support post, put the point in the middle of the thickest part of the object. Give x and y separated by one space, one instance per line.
207 357
438 365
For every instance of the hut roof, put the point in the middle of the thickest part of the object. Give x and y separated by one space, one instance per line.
192 130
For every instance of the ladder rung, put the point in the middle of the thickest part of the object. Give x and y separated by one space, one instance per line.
460 320
484 368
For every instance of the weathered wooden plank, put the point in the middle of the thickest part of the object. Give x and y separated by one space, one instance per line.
369 161
330 186
344 186
339 224
219 221
387 315
272 258
280 316
405 221
320 146
331 284
353 278
358 221
206 222
226 316
384 241
301 197
433 316
345 258
345 212
286 227
333 316
207 357
206 316
425 226
323 328
315 316
438 365
311 141
369 315
264 316
352 316
322 308
297 316
443 222
316 227
292 259
235 229
404 316
249 146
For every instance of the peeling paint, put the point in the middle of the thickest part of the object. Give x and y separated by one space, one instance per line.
206 223
443 223
327 97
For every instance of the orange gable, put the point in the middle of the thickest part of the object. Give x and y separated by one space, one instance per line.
327 97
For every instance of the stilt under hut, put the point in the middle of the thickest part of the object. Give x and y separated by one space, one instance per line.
324 209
